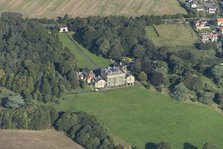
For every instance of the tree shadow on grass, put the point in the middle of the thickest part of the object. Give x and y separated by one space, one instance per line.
150 145
189 146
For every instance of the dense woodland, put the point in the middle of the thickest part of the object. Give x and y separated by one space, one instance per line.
33 63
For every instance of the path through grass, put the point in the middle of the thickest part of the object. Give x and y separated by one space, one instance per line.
83 56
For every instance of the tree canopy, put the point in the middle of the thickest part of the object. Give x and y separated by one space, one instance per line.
33 62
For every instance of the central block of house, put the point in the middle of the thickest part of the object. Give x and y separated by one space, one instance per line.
114 76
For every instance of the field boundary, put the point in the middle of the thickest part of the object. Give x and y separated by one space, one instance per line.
156 31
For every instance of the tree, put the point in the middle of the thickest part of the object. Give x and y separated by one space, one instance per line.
137 66
34 61
13 102
147 67
163 145
103 46
2 73
82 84
176 64
193 82
220 98
157 78
206 97
217 73
139 51
180 92
142 76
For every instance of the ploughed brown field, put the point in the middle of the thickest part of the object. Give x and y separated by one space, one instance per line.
25 139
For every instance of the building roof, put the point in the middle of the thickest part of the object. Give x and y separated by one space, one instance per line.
97 79
112 71
129 75
87 71
63 27
220 20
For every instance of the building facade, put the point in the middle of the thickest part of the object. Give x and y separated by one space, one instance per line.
99 83
113 76
64 29
209 37
130 79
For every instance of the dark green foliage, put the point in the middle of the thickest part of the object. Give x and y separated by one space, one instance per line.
82 84
13 102
206 97
180 92
157 78
217 74
31 117
176 64
193 82
147 85
137 67
219 98
85 130
34 62
113 37
147 67
207 46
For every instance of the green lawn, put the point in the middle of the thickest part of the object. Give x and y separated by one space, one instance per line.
82 61
140 116
172 35
177 37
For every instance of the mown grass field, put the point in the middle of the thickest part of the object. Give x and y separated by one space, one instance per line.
140 116
83 8
177 37
78 51
172 35
25 139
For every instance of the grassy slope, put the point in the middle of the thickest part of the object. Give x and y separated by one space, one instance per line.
83 8
81 60
140 116
177 37
172 35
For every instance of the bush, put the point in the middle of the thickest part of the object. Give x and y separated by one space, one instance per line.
206 97
180 92
142 76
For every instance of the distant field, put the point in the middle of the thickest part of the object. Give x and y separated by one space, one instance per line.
141 116
25 139
83 8
80 54
172 35
177 37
